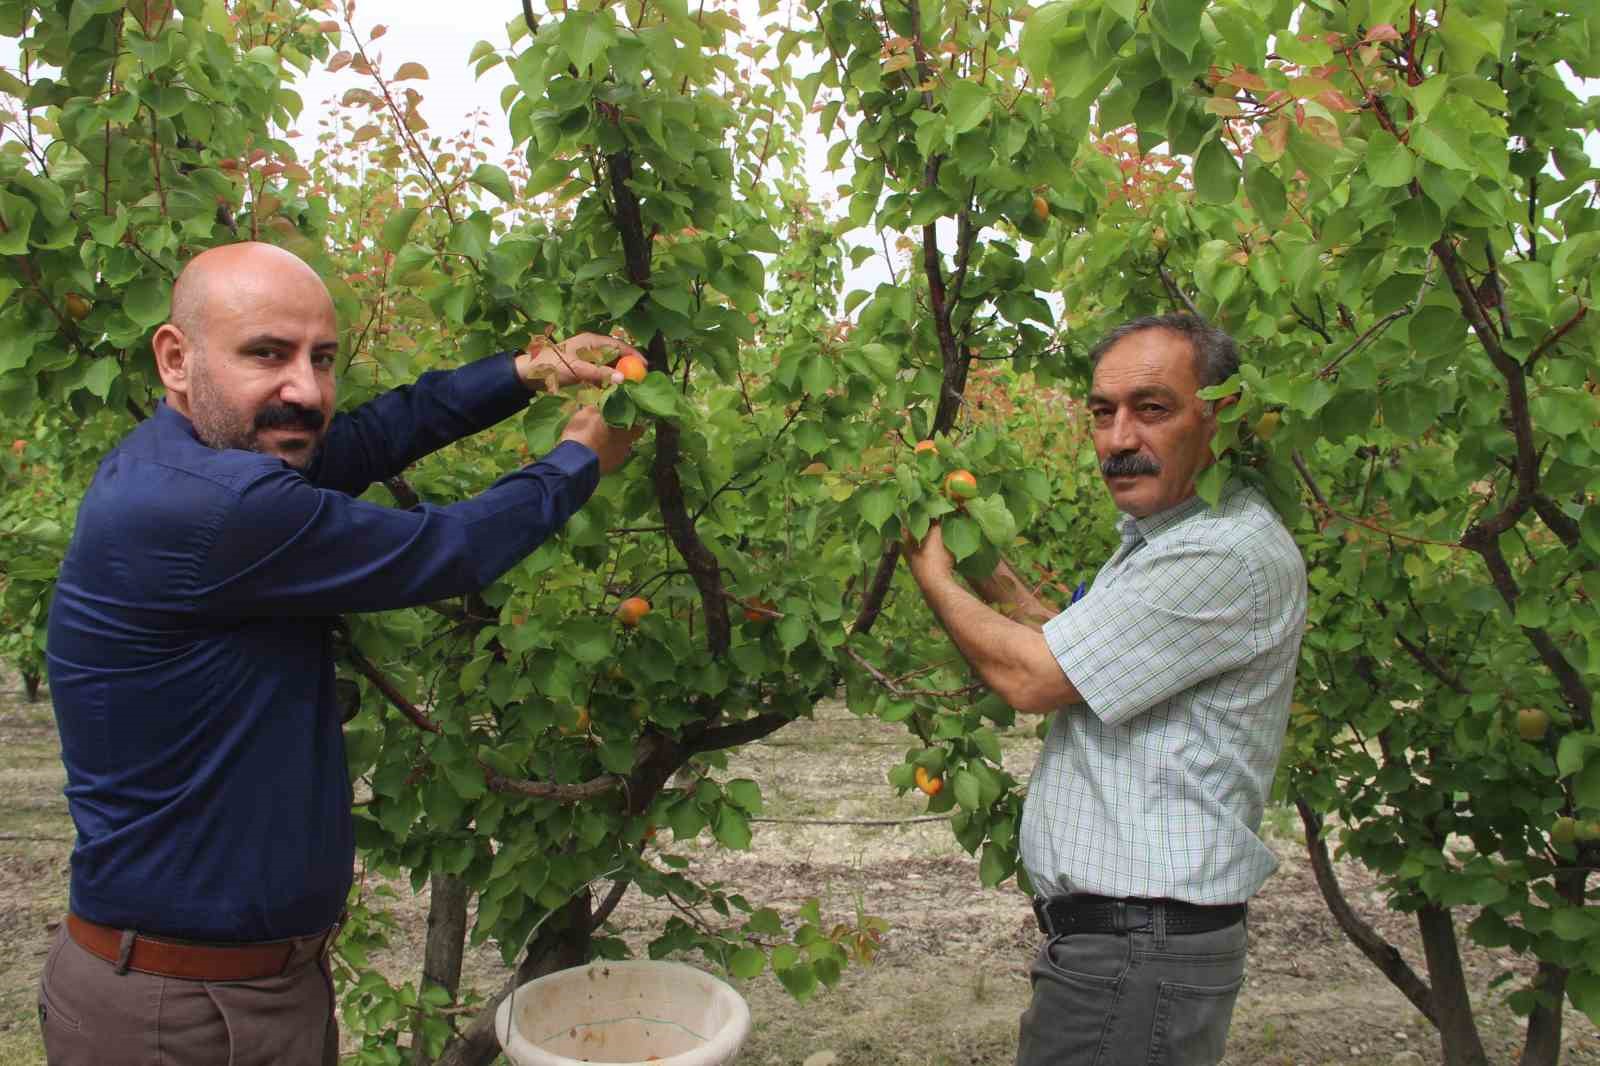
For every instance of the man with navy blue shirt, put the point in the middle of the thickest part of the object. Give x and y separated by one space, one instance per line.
191 661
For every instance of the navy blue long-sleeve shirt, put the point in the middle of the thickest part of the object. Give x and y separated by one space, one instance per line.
190 656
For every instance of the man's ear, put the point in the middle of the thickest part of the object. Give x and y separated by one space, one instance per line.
1218 404
172 352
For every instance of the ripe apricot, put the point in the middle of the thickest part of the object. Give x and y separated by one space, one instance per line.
630 610
926 446
1041 208
927 782
632 368
960 485
759 610
77 307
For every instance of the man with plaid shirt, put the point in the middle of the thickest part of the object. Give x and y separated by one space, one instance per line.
1170 684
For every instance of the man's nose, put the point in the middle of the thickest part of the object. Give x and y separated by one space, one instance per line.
299 384
1123 436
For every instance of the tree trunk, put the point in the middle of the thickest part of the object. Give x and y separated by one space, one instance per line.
30 682
562 942
441 960
1542 1046
1458 1032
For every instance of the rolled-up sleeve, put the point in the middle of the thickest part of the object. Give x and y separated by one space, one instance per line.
288 547
1174 617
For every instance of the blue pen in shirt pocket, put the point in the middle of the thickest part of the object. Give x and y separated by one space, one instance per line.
1079 593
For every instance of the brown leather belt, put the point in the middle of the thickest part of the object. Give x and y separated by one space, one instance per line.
128 950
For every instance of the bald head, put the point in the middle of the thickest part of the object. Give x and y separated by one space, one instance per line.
249 351
230 272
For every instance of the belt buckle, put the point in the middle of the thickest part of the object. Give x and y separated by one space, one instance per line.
1041 915
1119 916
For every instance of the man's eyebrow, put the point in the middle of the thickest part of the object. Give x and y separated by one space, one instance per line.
269 340
1143 392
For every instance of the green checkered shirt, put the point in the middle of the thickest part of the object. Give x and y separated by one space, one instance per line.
1184 651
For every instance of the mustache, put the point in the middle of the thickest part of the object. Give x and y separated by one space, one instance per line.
1129 464
288 416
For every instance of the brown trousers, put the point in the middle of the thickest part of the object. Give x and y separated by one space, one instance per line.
94 1016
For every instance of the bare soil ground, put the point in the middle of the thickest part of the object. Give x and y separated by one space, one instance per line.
951 979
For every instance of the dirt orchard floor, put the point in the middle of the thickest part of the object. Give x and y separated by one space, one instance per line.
951 979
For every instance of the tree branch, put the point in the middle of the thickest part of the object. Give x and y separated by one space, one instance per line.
581 790
391 692
1384 955
728 736
1570 680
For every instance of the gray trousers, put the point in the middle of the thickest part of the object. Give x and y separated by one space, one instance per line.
94 1016
1150 998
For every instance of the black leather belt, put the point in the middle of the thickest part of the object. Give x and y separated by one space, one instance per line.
1084 913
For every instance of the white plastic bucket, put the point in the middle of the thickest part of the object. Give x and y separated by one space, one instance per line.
632 1012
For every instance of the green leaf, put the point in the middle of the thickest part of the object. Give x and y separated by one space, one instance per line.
1389 163
968 792
1216 173
101 373
618 409
1586 785
585 35
1440 141
466 779
470 237
617 756
995 519
495 180
1570 754
800 981
733 828
966 105
1418 222
1583 988
747 963
655 395
1573 923
1589 527
1178 22
744 793
876 505
588 640
147 302
1265 191
473 672
995 866
961 536
619 296
397 228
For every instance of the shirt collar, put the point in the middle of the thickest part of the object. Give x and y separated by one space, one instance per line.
170 418
1136 529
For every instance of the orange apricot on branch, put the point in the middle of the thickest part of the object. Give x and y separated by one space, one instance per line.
960 486
632 368
630 610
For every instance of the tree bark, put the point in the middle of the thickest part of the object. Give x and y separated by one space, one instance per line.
441 960
562 943
1458 1031
30 683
